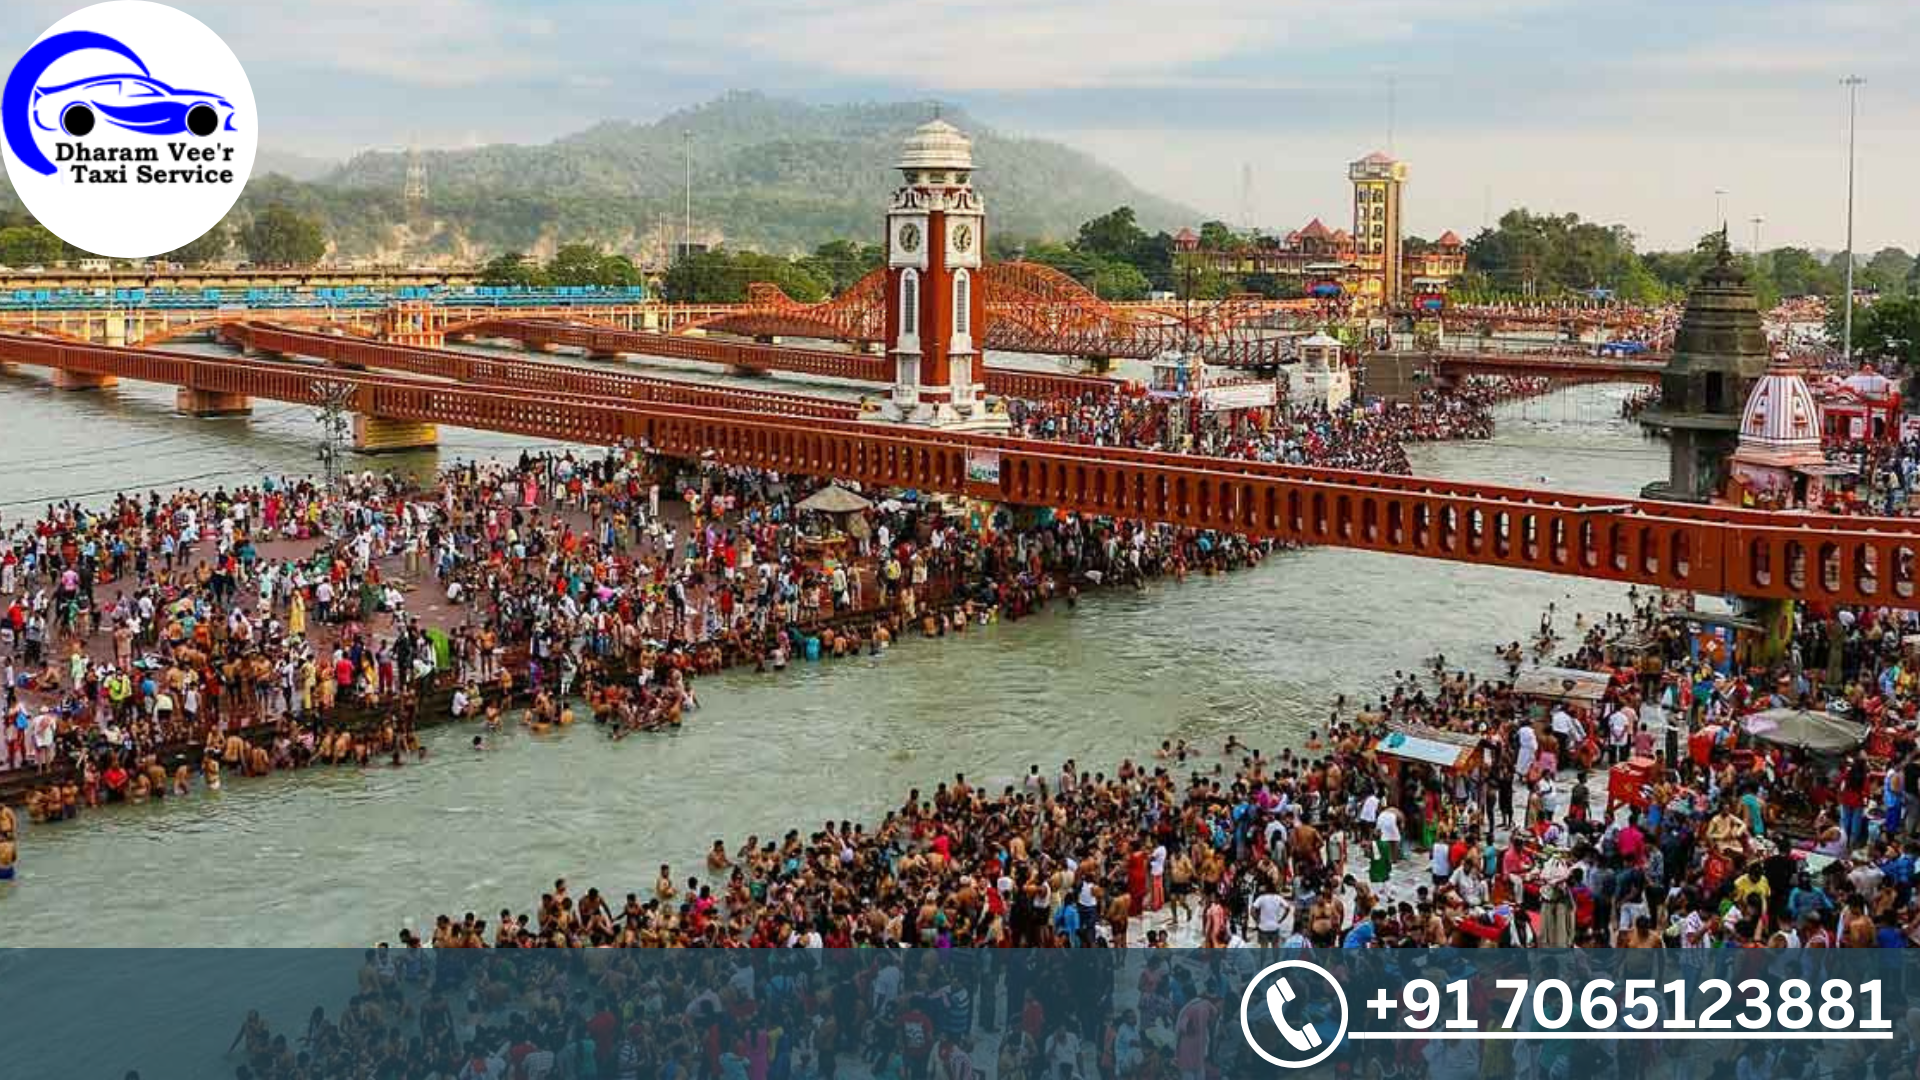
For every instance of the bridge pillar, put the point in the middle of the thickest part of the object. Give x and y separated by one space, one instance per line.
211 403
380 434
114 329
80 380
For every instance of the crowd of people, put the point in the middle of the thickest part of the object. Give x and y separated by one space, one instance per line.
163 620
1369 438
1528 839
285 623
563 577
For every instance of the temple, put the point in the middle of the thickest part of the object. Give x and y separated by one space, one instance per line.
1718 354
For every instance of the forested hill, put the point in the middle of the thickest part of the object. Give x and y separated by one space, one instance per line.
769 174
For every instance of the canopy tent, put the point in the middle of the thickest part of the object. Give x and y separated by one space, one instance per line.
1414 742
1562 684
1819 732
834 499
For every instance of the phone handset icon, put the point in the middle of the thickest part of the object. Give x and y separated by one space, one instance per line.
1302 1039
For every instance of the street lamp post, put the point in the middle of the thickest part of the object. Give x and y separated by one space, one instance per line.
1719 208
686 238
1757 222
1852 83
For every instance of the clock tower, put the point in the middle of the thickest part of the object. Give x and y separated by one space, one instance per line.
936 307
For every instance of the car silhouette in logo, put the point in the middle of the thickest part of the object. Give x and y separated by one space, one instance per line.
134 102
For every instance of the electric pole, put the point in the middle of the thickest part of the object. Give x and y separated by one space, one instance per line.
334 396
1852 83
686 238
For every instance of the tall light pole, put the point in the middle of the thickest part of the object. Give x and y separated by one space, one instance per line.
1757 222
686 238
1852 83
1719 208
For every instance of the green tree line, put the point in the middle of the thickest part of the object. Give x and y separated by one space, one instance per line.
1556 256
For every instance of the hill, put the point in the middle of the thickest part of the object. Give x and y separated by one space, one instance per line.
771 174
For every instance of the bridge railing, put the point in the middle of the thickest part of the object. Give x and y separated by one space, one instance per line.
1711 549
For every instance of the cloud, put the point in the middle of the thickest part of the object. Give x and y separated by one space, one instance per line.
435 44
1066 44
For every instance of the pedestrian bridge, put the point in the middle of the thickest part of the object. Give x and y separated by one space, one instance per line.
1712 549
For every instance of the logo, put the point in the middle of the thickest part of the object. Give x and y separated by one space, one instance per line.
129 128
1293 1014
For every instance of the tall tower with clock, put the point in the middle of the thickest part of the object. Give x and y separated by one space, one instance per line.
936 306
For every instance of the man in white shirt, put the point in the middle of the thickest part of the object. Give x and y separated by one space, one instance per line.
1389 825
1563 726
1619 734
1529 749
1273 917
1440 863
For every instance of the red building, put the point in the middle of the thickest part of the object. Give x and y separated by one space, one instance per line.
1314 253
1863 407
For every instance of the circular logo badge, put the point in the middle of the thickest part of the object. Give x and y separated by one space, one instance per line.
129 128
1293 1014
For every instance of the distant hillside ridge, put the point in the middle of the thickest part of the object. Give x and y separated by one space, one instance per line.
771 174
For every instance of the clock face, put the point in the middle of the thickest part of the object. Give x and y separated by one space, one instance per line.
909 237
962 237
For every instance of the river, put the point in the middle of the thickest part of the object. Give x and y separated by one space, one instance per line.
343 857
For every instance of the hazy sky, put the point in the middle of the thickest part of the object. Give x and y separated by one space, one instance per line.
1622 110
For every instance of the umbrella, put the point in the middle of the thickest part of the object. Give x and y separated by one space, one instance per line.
834 499
1819 732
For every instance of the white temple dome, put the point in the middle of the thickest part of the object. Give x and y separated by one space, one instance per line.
936 144
1781 415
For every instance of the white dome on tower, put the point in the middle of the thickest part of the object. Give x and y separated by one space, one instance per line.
936 144
1781 419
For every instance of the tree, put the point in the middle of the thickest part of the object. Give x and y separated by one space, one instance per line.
1216 236
722 277
1889 330
1273 287
210 246
840 263
1887 270
618 270
282 236
513 269
29 245
1796 272
1115 280
1113 235
575 264
1193 279
1153 256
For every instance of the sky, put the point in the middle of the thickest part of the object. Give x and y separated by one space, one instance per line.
1629 111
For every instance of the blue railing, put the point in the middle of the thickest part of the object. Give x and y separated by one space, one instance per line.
358 296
